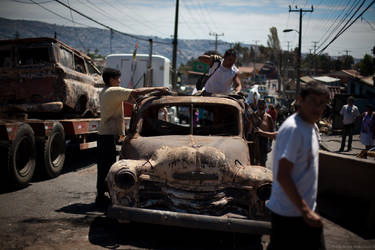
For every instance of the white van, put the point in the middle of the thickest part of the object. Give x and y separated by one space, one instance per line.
138 68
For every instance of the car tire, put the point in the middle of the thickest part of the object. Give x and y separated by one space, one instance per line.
53 151
21 155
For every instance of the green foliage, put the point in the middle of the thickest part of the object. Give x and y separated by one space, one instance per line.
366 65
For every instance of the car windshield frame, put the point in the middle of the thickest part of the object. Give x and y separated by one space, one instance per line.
204 119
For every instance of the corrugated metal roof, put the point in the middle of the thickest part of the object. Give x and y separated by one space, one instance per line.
307 79
326 79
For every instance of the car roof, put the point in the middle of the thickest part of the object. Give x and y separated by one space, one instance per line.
41 40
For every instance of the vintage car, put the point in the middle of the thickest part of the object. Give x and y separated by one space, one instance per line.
191 172
44 75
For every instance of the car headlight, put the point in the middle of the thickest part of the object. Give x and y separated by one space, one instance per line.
125 178
264 191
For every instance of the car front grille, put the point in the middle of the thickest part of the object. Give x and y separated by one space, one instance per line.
223 201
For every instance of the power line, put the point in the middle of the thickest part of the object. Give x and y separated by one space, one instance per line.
79 38
343 30
106 26
339 23
51 11
19 1
102 12
151 27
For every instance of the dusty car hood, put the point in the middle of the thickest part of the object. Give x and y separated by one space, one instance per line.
234 148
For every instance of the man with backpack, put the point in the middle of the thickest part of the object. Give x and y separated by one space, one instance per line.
223 74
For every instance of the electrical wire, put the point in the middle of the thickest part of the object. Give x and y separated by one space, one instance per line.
79 37
328 34
51 11
344 29
108 27
151 27
19 1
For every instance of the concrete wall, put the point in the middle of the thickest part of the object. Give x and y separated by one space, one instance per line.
348 177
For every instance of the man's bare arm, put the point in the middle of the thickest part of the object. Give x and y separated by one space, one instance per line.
267 134
205 59
237 84
289 187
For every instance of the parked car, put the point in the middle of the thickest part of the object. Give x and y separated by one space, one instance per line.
192 174
44 75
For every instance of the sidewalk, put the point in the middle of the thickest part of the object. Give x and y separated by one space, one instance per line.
332 144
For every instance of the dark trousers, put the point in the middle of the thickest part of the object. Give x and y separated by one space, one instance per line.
106 157
294 233
263 150
347 131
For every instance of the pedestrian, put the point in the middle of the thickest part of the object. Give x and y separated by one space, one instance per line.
223 74
295 225
272 112
367 136
112 125
265 131
350 115
252 98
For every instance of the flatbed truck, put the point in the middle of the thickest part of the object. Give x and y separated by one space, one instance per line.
28 144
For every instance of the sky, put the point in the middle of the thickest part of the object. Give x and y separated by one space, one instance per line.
244 21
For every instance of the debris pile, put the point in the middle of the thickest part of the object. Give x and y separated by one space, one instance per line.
325 125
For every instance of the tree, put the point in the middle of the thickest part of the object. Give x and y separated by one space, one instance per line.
366 66
273 43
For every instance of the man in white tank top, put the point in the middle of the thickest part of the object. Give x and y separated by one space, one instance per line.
223 73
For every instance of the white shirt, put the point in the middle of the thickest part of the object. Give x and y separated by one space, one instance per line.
222 79
297 141
349 113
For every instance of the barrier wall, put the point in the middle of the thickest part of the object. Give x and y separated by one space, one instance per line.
352 179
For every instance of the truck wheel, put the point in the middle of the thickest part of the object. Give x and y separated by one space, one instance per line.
54 151
22 154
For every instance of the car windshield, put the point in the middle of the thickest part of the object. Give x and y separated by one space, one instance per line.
187 119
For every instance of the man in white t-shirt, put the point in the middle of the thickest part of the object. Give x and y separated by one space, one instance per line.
295 225
223 74
112 125
350 115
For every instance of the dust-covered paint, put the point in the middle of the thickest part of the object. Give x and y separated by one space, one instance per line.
44 75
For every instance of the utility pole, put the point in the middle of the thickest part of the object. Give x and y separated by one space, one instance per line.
346 58
286 65
347 52
315 42
149 66
174 59
254 61
110 40
216 36
301 11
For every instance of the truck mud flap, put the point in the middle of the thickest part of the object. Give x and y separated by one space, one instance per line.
189 220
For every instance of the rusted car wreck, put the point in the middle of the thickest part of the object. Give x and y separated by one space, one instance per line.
46 76
189 167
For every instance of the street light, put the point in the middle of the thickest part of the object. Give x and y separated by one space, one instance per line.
298 57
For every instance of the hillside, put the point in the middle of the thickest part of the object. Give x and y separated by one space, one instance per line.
99 39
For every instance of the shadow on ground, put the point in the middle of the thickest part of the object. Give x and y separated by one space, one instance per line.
109 233
74 161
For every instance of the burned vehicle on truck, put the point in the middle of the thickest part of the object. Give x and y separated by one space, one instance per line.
192 172
45 76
